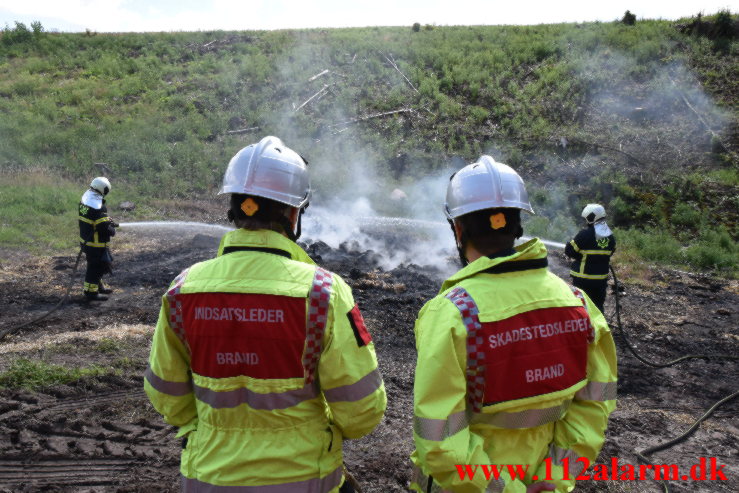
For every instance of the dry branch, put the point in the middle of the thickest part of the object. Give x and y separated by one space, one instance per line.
242 130
392 62
603 146
318 75
320 91
714 135
374 115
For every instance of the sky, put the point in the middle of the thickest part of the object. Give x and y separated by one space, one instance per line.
205 15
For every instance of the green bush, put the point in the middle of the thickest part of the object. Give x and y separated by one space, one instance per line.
686 215
628 19
19 34
714 250
725 24
655 245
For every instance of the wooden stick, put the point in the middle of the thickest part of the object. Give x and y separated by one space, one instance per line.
392 62
318 75
323 89
375 115
242 130
714 135
604 146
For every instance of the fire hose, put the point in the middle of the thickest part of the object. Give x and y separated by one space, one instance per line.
12 330
641 454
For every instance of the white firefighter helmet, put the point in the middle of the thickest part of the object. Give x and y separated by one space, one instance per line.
271 170
485 184
101 184
593 213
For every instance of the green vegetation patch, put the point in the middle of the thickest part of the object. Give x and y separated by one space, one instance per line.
29 374
714 250
635 114
38 211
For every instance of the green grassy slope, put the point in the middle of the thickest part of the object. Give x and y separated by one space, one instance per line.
642 118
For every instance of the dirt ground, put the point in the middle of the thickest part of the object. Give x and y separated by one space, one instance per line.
101 435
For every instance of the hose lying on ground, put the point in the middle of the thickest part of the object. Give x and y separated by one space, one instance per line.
12 330
641 454
642 359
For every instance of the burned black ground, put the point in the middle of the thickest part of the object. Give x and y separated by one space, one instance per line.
100 434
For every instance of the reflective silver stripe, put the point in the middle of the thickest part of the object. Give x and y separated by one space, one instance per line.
439 429
269 402
495 486
523 419
165 386
597 252
588 276
574 468
597 391
315 485
357 390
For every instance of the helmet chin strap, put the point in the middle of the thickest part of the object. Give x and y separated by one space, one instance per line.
288 227
460 244
300 224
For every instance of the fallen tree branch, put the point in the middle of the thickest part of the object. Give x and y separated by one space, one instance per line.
242 130
375 115
322 90
603 146
392 62
318 75
714 135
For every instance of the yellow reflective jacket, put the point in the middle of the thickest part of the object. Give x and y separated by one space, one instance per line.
263 361
515 368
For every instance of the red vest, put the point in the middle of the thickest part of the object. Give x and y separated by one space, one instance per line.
529 354
261 336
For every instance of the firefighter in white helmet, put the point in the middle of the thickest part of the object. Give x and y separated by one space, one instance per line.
591 250
514 366
261 358
96 230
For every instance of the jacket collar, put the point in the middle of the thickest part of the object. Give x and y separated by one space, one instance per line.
533 249
263 238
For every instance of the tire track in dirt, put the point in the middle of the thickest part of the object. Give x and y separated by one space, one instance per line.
58 472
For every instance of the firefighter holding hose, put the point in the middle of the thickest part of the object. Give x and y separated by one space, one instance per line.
96 230
591 250
514 366
261 358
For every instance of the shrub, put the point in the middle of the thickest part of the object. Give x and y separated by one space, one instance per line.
37 28
629 19
652 245
19 34
724 24
686 215
416 27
